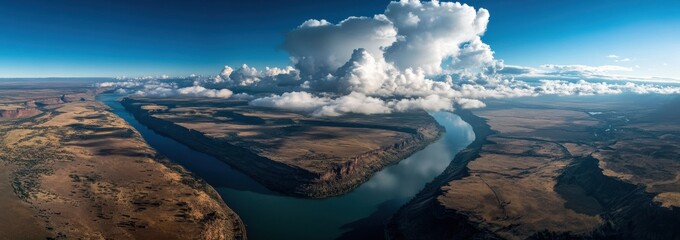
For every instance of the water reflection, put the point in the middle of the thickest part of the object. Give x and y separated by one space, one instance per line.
359 214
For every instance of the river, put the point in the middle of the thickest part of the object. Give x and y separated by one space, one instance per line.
355 215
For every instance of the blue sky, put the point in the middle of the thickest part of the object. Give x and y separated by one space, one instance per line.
135 38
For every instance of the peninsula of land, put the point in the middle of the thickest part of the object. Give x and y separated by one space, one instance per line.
289 152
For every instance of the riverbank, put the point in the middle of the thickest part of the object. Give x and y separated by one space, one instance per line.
423 216
268 214
312 176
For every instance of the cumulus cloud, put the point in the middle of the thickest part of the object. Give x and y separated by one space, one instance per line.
354 102
513 89
584 69
617 58
324 106
249 77
195 91
123 84
414 56
389 62
429 32
467 103
296 101
318 48
517 70
429 103
198 91
161 88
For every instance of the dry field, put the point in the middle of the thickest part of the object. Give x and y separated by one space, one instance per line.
289 137
521 183
510 190
76 171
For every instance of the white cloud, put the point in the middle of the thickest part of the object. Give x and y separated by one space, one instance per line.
473 55
467 103
585 69
198 91
415 56
353 103
318 47
513 88
437 34
296 101
617 58
195 91
581 87
429 103
123 84
362 73
160 87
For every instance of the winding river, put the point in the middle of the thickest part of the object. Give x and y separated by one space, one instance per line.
358 214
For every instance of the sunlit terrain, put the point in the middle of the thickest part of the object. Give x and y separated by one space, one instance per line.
339 119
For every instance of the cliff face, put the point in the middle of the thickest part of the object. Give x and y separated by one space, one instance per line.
343 178
424 217
32 107
19 113
629 210
286 178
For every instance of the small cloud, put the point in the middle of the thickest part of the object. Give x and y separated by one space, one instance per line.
584 69
617 58
516 70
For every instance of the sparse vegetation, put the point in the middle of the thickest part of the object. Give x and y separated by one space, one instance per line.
290 152
79 171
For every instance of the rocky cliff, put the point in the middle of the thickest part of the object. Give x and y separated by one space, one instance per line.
289 179
32 107
18 113
424 217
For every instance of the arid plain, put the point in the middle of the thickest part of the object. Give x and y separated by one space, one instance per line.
73 170
598 167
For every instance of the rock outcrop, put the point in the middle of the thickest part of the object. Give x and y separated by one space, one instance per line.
18 113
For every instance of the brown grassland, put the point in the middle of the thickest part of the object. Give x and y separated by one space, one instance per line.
559 168
74 170
290 152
